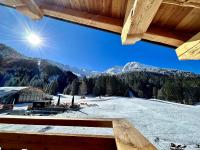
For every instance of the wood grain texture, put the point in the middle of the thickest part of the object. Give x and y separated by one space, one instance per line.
129 138
12 3
97 21
190 50
139 16
184 3
130 18
166 36
126 137
59 122
174 15
191 22
109 8
47 141
30 9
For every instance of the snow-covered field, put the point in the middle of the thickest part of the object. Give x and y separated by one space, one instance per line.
170 122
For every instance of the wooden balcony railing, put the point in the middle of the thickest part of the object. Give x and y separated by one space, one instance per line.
126 137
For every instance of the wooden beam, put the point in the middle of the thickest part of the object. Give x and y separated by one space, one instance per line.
11 3
184 3
129 138
139 15
85 18
106 123
42 141
166 36
190 50
30 9
80 17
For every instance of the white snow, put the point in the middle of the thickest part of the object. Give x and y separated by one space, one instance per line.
23 106
9 90
135 66
114 70
128 67
170 122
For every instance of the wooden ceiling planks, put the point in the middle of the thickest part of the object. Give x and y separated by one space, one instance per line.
174 15
191 22
184 3
170 22
109 8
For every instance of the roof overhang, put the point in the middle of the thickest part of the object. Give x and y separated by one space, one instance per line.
171 22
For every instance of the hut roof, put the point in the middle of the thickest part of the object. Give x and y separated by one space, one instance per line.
10 90
172 22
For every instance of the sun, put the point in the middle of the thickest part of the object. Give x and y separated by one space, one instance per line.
34 39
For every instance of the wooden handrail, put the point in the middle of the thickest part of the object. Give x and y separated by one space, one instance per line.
126 137
106 123
44 141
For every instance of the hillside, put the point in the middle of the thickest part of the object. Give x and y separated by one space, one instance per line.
18 70
8 52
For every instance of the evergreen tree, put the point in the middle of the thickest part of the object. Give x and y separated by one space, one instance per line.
74 87
83 87
67 90
155 92
53 88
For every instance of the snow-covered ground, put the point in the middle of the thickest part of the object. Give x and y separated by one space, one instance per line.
170 122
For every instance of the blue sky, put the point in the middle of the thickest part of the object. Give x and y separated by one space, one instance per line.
83 47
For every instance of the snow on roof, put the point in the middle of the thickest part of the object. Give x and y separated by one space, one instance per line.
9 90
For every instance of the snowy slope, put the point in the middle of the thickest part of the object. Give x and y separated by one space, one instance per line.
170 122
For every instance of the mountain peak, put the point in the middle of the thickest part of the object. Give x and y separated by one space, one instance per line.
132 66
136 66
8 52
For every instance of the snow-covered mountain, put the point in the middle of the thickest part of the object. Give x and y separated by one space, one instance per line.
129 67
114 70
9 53
135 66
75 70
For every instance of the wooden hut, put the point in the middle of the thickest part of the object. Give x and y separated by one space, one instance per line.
32 94
171 22
13 95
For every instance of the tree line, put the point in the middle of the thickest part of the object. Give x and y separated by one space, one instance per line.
175 88
179 87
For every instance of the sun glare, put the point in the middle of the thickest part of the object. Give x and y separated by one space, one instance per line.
34 39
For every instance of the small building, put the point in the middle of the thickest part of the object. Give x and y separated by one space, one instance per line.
41 104
29 95
13 95
9 94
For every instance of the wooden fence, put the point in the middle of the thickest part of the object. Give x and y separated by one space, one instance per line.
126 137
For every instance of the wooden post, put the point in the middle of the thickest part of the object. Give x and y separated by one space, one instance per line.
72 101
58 103
129 138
